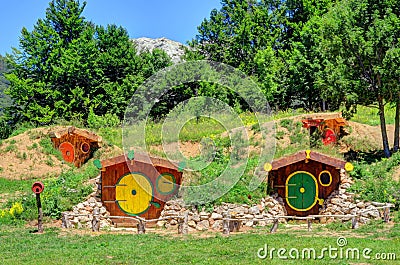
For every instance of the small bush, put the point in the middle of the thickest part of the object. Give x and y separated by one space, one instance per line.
279 135
11 148
5 129
374 182
33 146
286 123
108 120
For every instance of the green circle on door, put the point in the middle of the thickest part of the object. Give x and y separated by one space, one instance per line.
301 191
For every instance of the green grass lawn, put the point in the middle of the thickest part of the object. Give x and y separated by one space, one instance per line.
20 246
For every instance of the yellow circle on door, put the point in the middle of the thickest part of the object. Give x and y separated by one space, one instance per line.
133 193
302 190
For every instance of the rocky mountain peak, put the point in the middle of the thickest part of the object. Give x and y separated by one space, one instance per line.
174 49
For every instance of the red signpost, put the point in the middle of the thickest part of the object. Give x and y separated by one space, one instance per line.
37 188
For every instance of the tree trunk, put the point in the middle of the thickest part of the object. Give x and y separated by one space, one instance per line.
385 140
396 125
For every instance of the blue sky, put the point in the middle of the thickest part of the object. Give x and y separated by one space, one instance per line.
173 19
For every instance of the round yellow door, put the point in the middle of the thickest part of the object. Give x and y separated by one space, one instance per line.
134 193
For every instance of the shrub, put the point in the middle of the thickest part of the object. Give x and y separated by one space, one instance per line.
108 120
374 182
5 129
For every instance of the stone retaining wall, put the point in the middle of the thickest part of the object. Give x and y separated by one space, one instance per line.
340 202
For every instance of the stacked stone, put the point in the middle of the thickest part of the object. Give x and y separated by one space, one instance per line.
251 216
81 215
341 202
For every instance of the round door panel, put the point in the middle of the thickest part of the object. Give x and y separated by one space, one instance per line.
134 193
329 137
67 151
166 184
301 191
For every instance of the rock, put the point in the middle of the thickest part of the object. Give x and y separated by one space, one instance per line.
248 216
161 223
192 223
195 218
102 210
375 214
254 210
336 201
203 225
240 210
249 223
173 222
204 215
104 224
361 205
352 206
269 205
217 225
378 204
216 216
170 213
345 185
174 49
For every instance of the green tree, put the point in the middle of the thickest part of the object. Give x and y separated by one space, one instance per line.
271 40
47 80
5 100
68 67
360 39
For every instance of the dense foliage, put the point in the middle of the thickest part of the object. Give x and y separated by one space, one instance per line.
5 100
67 67
312 54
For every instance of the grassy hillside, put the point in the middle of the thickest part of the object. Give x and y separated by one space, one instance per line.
376 178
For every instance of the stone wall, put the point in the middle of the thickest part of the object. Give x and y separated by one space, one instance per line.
202 220
81 215
340 202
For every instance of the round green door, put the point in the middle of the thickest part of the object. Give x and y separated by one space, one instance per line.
301 191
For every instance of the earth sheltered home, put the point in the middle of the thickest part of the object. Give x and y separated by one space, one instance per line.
330 128
75 145
304 180
137 185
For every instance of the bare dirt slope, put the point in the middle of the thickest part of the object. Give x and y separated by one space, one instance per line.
24 156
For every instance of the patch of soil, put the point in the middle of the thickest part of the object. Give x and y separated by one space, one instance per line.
187 149
22 157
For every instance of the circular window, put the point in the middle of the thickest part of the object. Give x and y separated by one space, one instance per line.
325 178
85 148
166 184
